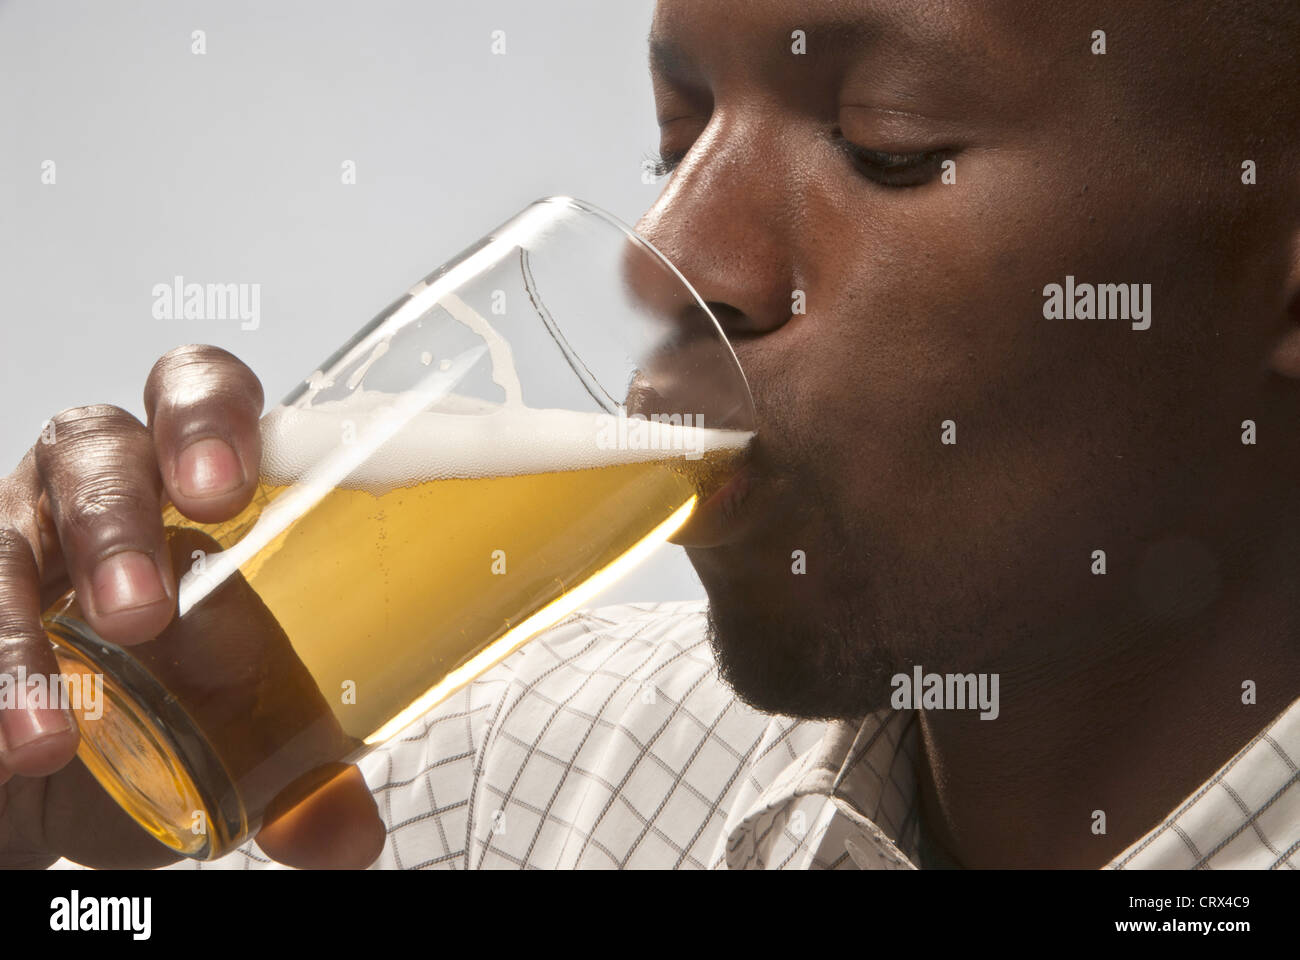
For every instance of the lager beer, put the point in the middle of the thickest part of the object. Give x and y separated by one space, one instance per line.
366 609
460 475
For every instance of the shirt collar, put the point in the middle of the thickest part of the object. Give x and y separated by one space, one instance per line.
852 800
1245 816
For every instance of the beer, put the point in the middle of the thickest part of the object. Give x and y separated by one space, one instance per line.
416 521
344 602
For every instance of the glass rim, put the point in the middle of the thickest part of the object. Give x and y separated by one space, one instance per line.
631 234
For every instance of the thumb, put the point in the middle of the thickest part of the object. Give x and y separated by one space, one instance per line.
336 827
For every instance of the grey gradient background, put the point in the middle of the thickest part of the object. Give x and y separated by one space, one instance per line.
225 168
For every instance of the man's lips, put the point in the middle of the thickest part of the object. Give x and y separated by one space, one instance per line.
724 516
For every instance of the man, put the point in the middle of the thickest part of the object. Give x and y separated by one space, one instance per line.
1017 289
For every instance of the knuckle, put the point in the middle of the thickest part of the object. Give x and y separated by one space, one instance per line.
13 642
14 499
16 564
19 644
20 524
85 433
12 544
100 473
89 417
93 499
16 628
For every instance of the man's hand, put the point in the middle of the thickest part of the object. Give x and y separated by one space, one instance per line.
83 509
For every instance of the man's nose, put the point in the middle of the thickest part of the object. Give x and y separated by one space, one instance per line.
724 220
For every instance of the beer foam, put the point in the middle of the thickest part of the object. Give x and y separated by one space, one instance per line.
378 450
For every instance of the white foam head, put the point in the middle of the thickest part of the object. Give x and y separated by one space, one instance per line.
466 438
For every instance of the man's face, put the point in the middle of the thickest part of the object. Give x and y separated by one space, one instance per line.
823 172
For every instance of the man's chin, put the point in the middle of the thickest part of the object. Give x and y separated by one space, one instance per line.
805 665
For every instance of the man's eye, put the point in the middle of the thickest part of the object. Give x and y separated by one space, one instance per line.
887 169
662 164
893 169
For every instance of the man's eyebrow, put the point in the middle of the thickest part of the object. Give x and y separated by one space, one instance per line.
671 61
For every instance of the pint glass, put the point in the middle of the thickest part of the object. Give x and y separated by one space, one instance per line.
513 433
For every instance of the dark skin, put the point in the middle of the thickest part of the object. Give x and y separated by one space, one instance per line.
74 509
1120 693
924 304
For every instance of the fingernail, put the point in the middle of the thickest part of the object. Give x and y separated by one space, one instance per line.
22 727
126 580
208 468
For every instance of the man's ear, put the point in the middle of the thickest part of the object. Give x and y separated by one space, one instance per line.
1285 358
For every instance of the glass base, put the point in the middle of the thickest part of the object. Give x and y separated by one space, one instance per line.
146 751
